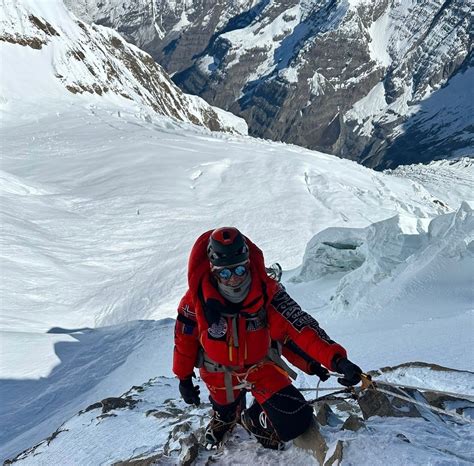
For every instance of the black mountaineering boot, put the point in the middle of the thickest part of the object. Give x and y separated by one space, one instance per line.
223 421
255 421
216 430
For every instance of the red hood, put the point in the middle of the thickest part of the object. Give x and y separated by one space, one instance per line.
198 263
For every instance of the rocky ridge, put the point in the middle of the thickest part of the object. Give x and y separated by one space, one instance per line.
146 425
94 60
366 80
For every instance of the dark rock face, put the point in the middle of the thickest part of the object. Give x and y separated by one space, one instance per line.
362 80
112 403
313 441
353 423
374 403
337 456
326 416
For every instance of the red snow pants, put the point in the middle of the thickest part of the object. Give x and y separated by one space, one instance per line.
284 405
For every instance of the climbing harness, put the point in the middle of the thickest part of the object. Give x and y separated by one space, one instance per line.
273 355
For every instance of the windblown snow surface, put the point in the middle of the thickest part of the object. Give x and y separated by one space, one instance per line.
101 203
100 208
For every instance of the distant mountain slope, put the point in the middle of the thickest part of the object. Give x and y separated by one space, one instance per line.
359 78
46 51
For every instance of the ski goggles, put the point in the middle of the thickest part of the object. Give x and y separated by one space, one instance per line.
225 273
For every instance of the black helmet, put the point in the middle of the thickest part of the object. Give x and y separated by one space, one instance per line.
227 247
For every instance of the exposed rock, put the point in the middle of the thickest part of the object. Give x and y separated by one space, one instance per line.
326 417
91 407
178 442
356 79
183 427
140 461
414 365
32 451
460 405
313 441
441 401
164 413
353 423
403 438
345 407
335 457
105 416
375 403
88 59
189 450
184 440
137 388
108 404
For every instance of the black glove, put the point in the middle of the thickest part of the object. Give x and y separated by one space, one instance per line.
189 392
316 369
349 369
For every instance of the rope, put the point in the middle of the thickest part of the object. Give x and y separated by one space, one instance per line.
331 396
368 383
320 389
374 386
317 388
426 405
303 402
457 395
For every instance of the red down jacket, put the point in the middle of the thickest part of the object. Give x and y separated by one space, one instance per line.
268 313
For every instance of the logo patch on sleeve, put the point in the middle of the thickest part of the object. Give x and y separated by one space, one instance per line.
187 311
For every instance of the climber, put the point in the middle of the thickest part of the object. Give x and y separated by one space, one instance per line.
234 323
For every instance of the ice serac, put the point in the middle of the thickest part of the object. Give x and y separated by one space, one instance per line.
372 81
69 56
390 259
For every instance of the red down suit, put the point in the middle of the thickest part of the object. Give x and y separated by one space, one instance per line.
239 337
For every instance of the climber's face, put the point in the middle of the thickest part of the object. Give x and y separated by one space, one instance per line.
232 276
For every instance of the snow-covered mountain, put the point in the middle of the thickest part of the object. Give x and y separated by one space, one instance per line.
47 51
381 82
101 200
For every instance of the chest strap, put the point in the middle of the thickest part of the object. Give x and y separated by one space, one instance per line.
274 355
235 332
261 316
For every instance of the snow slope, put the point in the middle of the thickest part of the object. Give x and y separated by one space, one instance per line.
162 430
100 208
101 200
122 201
